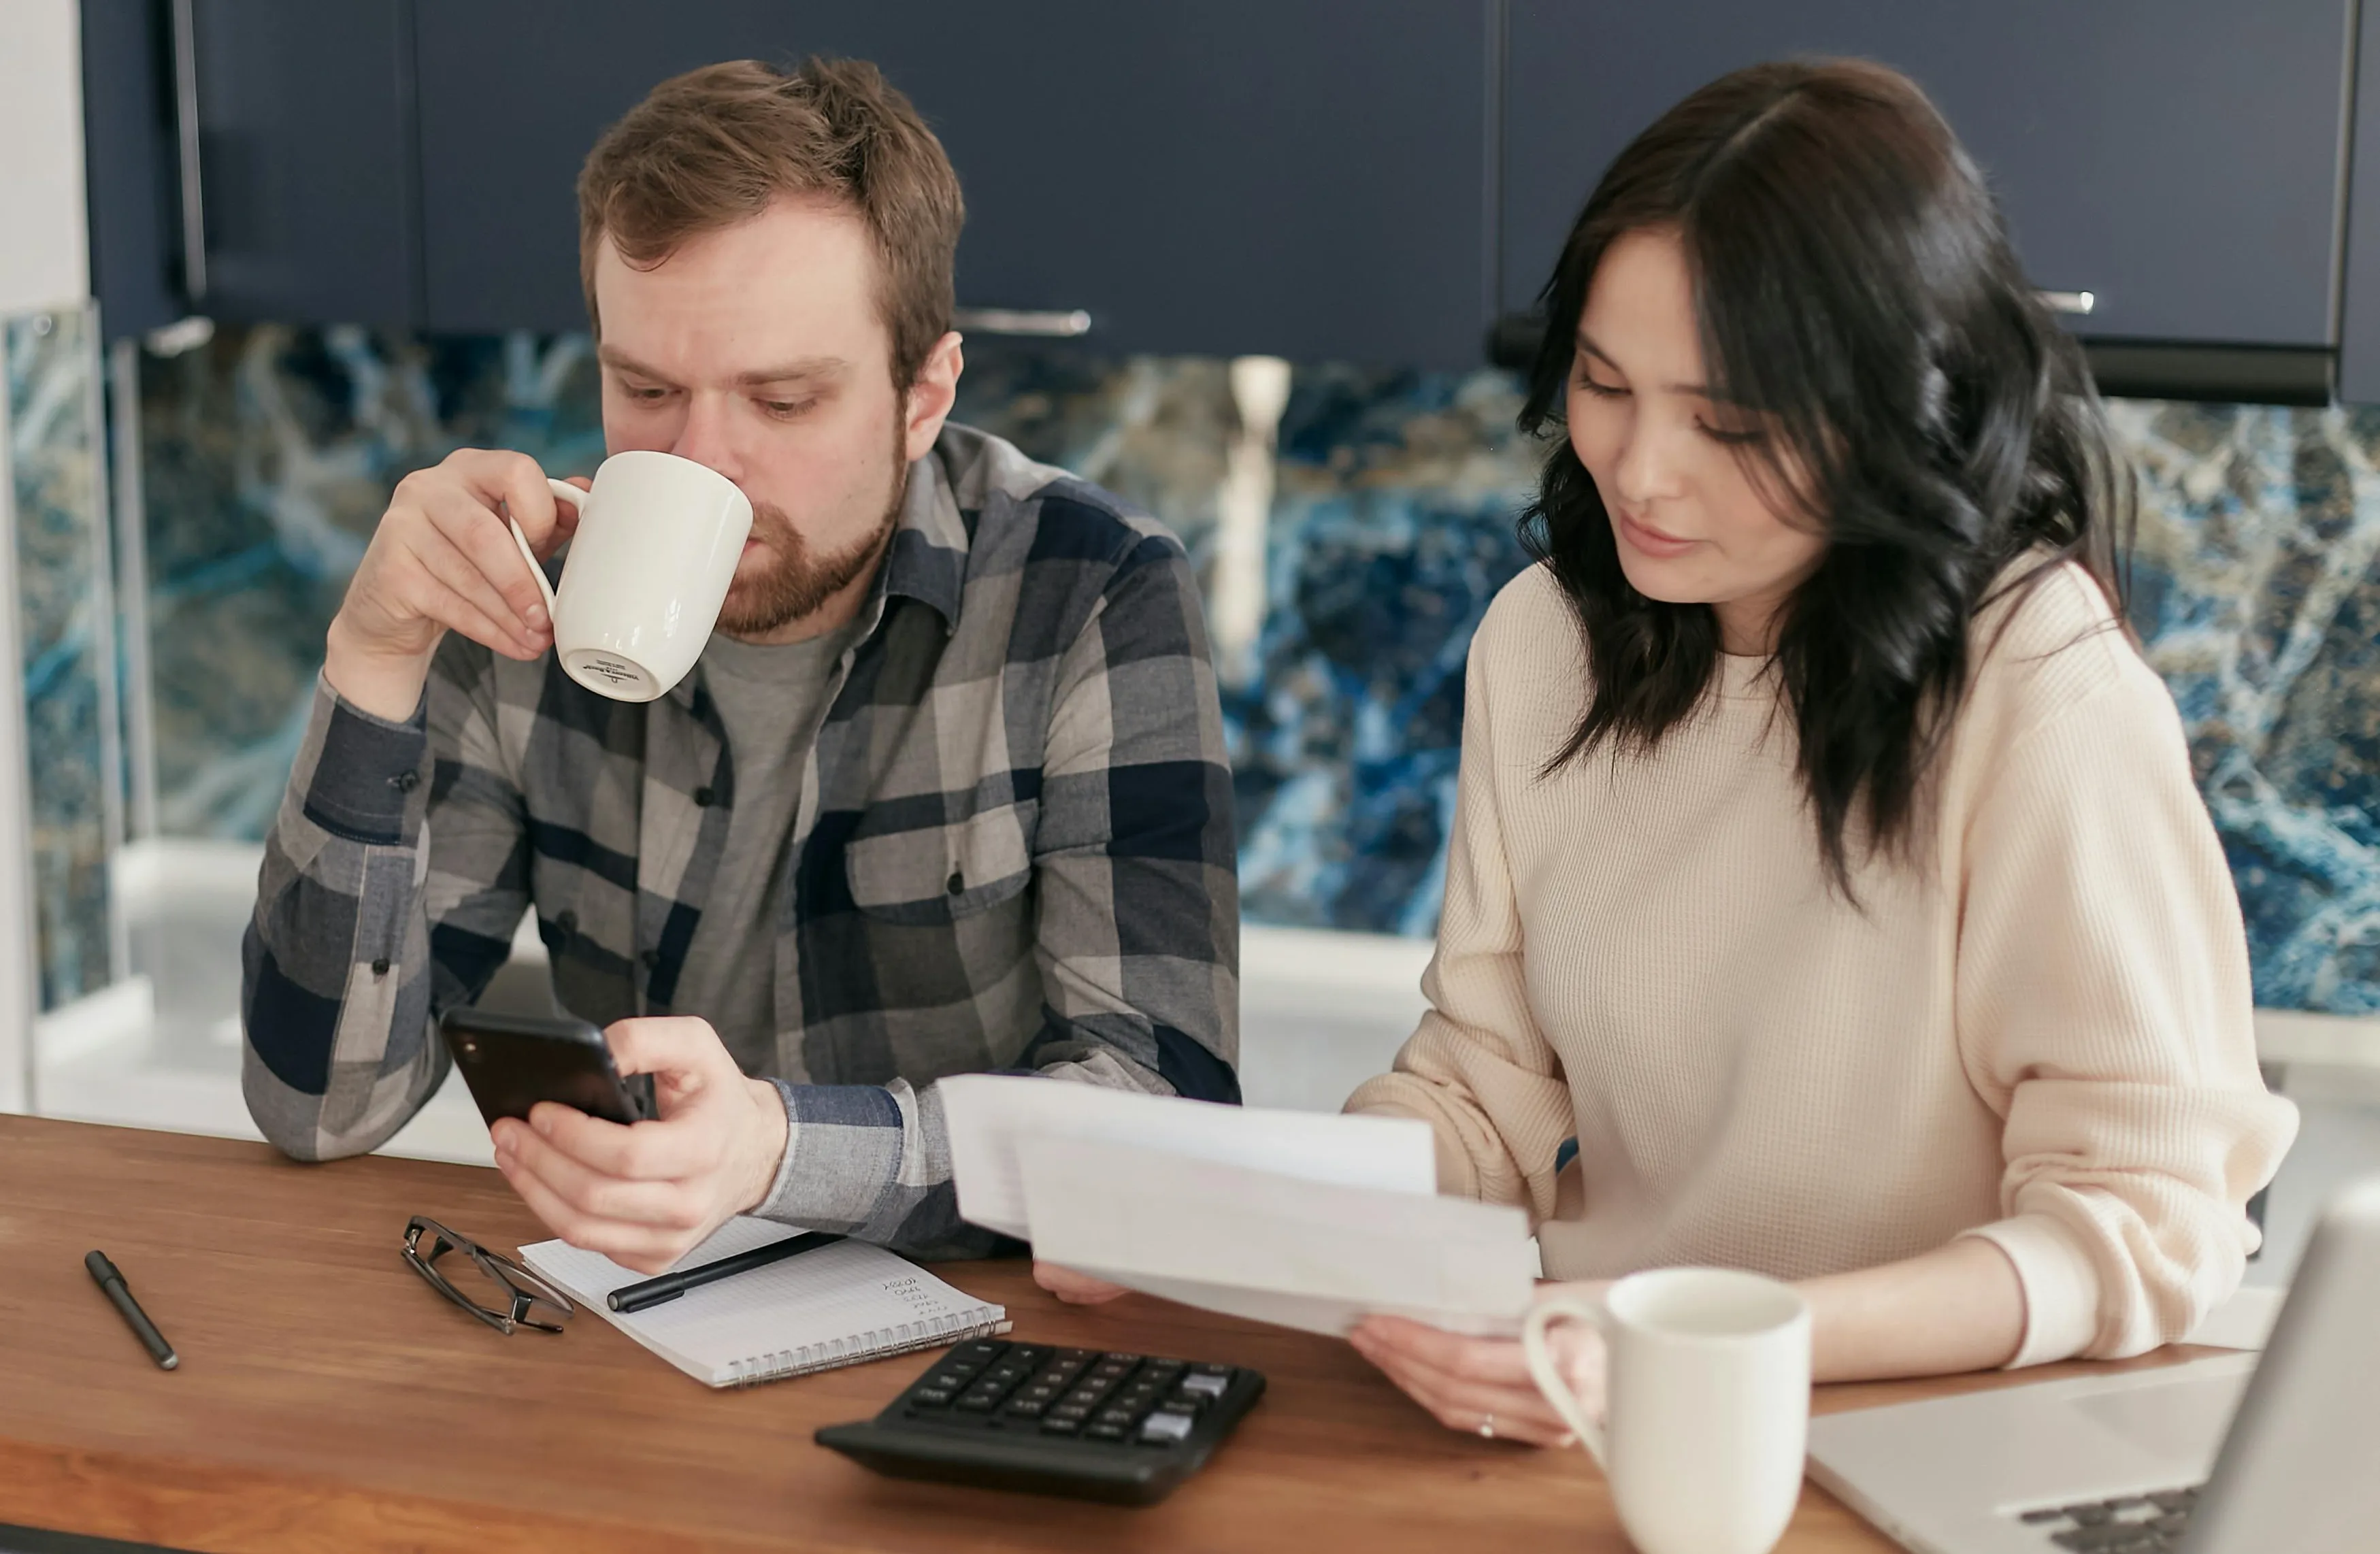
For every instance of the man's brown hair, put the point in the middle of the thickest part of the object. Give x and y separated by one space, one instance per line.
712 148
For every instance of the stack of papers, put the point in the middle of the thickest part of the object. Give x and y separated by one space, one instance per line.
1303 1219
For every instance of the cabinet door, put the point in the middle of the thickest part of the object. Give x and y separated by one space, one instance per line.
2359 324
305 159
1296 176
2179 159
129 165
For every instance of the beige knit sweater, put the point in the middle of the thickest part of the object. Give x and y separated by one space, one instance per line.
2043 1038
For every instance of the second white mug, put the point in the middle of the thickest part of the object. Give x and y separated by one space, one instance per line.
656 548
1707 1402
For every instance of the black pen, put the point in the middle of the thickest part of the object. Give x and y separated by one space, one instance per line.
669 1286
102 1272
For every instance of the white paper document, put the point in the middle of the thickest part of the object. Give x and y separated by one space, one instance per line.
989 1116
1303 1254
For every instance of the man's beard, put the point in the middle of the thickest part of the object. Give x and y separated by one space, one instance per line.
800 583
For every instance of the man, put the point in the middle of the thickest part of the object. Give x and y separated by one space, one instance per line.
946 793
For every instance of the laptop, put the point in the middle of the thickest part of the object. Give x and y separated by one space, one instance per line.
2218 1456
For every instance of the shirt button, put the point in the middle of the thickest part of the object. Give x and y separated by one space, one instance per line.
652 960
956 884
567 923
379 966
705 798
405 782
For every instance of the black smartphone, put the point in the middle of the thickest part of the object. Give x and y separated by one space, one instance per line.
512 1062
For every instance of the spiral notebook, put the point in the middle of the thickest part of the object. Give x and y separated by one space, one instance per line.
838 1306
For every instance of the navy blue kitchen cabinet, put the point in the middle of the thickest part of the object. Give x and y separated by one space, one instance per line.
305 173
1300 177
250 160
2178 159
2359 323
1364 180
129 166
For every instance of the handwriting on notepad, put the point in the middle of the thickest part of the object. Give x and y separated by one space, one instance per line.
917 1297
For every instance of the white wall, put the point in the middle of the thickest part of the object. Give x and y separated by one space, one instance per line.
45 236
44 262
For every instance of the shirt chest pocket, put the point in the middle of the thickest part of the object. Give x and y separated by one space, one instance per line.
937 874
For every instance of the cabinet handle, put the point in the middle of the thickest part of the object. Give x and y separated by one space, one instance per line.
2079 303
185 123
1046 324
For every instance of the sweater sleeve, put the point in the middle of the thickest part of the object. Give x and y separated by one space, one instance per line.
2105 1014
1477 1069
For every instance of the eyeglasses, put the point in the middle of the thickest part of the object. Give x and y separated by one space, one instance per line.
517 1290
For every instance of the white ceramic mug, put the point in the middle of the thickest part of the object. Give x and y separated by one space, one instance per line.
656 548
1708 1399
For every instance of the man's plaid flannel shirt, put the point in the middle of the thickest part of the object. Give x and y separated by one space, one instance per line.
1014 850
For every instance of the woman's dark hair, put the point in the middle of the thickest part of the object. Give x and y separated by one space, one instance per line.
1857 296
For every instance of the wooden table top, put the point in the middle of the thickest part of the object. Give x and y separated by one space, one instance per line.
328 1400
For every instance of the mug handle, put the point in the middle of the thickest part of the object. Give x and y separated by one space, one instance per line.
578 499
1549 1381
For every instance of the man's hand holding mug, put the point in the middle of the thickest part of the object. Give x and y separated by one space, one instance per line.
441 560
655 540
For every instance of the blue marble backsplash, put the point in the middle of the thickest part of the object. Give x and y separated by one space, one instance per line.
64 639
1387 527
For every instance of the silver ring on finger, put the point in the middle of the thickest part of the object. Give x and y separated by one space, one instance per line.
1486 1427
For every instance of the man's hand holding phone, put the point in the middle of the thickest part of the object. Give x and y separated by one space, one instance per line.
647 1194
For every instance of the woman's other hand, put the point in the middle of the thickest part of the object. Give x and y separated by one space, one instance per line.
1481 1386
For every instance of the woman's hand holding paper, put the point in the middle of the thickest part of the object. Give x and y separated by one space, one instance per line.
1481 1386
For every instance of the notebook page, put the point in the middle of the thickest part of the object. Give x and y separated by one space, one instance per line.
836 1304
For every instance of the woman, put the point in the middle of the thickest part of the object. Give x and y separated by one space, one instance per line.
1826 861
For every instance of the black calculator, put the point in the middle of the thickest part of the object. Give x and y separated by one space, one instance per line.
1102 1427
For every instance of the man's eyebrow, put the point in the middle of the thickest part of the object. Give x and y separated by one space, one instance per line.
805 369
621 361
801 370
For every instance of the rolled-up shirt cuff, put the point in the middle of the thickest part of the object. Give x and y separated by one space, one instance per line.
2060 1283
843 1150
365 776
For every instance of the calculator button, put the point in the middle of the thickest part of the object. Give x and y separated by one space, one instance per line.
1084 1397
1115 1416
1025 1408
1118 1357
1074 1410
979 1402
1103 1432
931 1397
1205 1384
980 1350
1027 1355
1053 1426
1040 1391
1166 1427
1075 1356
